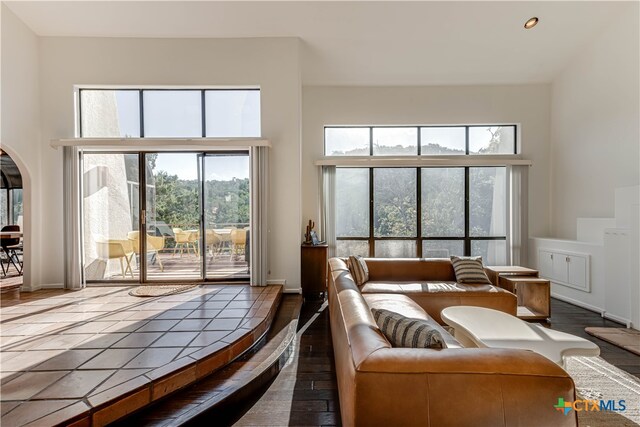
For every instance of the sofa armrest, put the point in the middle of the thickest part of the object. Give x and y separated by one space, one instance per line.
460 387
461 361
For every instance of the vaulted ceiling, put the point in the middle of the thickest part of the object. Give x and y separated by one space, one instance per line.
361 43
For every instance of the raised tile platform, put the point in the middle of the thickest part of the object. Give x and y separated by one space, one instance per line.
231 386
90 357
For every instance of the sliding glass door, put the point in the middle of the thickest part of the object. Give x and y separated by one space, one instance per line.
193 207
172 216
110 204
226 215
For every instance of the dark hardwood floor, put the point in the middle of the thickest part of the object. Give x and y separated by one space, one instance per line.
304 393
314 400
572 319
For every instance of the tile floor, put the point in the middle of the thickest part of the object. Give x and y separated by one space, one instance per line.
102 353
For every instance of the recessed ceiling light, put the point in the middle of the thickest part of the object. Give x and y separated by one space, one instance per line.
531 23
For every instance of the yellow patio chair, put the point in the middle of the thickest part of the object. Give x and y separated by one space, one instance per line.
184 240
194 241
116 249
238 241
212 242
154 245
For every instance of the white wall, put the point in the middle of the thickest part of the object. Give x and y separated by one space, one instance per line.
527 105
595 120
20 135
273 64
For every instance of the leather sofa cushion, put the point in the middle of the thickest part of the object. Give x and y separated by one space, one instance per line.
433 297
402 269
409 287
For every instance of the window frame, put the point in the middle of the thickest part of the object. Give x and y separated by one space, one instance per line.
467 239
516 144
203 117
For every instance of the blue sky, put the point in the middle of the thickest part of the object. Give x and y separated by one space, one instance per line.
216 167
179 114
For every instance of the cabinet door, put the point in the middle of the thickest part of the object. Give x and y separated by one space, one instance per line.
560 269
577 271
545 264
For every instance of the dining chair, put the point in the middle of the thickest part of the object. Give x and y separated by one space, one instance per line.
11 246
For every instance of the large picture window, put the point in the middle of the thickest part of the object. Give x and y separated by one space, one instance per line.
428 212
421 212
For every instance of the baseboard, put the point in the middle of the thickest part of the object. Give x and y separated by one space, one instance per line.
581 304
34 288
618 319
293 291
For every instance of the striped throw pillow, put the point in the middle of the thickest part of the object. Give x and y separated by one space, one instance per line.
404 331
469 270
358 267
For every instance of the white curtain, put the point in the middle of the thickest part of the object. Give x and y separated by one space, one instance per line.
328 211
73 278
518 219
259 220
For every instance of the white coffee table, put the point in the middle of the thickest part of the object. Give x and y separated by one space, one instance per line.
483 327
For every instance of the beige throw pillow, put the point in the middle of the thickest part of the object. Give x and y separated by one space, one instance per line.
469 270
358 267
404 331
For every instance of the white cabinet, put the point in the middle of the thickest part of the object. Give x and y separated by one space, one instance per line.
545 264
617 302
577 271
565 268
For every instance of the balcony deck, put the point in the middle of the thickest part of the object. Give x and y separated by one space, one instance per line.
188 266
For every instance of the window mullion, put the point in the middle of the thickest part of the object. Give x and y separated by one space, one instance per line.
467 240
419 212
204 114
141 95
372 252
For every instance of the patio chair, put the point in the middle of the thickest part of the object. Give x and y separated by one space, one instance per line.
117 249
213 242
185 240
11 246
154 245
238 241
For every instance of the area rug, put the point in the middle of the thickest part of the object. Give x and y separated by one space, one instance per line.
626 338
160 290
596 379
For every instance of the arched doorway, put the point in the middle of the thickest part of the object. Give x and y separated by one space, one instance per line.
12 219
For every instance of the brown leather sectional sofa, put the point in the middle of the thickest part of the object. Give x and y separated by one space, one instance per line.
432 284
384 386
